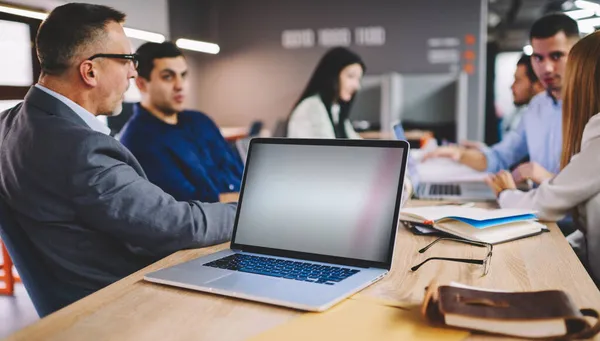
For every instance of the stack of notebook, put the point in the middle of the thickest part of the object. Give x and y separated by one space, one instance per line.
477 224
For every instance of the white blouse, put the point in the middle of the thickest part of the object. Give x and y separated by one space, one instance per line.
310 120
576 186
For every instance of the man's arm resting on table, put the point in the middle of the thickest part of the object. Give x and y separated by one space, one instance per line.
110 196
473 158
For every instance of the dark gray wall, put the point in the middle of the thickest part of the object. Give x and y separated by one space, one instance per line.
254 77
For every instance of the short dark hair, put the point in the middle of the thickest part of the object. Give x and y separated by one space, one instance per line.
525 60
148 52
551 24
67 29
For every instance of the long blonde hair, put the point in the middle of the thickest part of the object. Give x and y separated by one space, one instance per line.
581 93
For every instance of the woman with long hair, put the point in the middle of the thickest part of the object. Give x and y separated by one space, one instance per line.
576 189
323 108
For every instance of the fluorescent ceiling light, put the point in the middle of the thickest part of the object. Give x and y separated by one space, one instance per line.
23 12
587 5
586 27
144 35
581 13
199 46
528 50
130 32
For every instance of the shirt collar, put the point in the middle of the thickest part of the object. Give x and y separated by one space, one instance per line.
555 101
89 118
139 110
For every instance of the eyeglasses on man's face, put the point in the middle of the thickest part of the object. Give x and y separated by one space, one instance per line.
485 262
132 57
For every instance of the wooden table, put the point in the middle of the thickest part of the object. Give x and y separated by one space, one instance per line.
132 309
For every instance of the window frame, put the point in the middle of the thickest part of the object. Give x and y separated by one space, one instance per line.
11 92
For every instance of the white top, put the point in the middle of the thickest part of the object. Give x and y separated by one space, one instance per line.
90 119
310 120
576 186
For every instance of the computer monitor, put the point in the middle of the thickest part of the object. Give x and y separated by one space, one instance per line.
435 102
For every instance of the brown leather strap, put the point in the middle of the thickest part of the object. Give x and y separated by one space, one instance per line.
588 332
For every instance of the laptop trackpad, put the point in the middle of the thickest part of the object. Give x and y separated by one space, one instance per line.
175 274
278 289
238 280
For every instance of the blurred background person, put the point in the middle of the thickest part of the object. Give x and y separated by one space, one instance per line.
182 151
323 108
525 86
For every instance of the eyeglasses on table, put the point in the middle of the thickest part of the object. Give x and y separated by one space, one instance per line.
486 262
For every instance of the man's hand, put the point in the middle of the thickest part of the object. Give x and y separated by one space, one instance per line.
501 181
533 171
451 152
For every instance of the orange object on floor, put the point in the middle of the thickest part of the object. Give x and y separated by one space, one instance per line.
7 276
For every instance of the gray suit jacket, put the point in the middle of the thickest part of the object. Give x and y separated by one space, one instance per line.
85 202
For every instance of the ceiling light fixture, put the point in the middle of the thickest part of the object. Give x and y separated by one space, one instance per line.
144 35
587 5
586 28
199 46
588 25
23 12
581 13
130 32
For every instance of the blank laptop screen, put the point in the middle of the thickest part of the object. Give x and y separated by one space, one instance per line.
326 200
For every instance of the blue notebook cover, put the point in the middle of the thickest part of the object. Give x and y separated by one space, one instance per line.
481 224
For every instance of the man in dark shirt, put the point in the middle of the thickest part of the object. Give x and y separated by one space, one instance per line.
181 151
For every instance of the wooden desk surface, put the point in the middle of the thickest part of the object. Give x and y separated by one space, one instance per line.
132 309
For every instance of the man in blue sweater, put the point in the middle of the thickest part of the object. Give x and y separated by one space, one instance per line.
181 151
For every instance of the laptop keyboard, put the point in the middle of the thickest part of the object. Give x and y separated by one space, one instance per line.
444 189
299 271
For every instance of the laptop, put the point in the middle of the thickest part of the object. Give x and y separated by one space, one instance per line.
316 222
472 190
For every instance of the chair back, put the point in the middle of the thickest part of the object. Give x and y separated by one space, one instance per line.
255 128
242 145
36 278
280 128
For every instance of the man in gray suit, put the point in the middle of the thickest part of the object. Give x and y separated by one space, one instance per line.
79 195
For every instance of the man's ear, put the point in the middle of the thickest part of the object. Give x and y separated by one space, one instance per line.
141 83
88 73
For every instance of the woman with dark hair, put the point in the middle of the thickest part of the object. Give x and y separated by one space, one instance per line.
322 110
576 189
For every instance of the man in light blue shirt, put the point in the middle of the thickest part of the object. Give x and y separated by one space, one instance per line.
539 135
